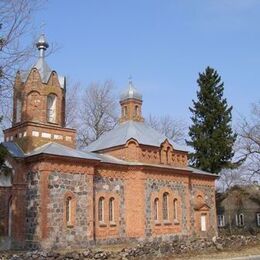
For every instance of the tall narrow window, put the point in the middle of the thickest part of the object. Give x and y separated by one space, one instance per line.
101 209
175 209
111 210
136 110
165 206
69 210
258 219
18 110
156 209
125 111
203 222
221 220
168 154
240 220
10 214
51 108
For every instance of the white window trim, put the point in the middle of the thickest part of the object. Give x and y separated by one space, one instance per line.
258 219
238 220
221 221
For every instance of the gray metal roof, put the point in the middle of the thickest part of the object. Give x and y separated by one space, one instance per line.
130 92
61 150
44 70
123 132
13 149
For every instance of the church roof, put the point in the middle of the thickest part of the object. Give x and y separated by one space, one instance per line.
61 150
140 131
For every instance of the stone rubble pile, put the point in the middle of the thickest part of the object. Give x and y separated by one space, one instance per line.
147 249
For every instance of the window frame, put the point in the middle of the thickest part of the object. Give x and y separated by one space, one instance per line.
111 210
240 217
68 210
101 209
156 209
52 118
221 220
165 206
258 219
175 210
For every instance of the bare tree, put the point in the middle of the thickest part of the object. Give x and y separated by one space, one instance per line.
98 112
174 129
248 143
15 26
73 92
231 177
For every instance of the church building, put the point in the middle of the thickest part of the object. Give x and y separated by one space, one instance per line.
131 184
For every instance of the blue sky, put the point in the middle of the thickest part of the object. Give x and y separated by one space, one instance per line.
163 44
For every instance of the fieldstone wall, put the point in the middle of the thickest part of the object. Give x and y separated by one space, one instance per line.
111 185
178 188
60 235
32 199
209 199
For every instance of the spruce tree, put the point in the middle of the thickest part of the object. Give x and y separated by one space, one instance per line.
211 134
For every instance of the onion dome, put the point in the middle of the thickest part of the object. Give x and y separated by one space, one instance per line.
42 45
131 92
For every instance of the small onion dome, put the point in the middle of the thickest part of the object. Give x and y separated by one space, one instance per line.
42 43
130 92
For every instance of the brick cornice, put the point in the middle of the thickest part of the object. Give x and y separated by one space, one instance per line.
41 125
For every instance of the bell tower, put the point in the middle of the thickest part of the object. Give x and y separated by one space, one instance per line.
131 104
39 106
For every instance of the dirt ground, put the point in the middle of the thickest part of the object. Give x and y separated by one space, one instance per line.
245 253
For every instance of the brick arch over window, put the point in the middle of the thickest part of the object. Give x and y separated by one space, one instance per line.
69 206
33 103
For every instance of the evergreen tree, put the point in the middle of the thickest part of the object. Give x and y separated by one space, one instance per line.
211 135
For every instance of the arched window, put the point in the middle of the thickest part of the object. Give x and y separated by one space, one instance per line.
240 219
111 210
10 214
101 209
175 209
51 108
168 153
18 110
69 210
136 110
165 206
125 111
156 209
